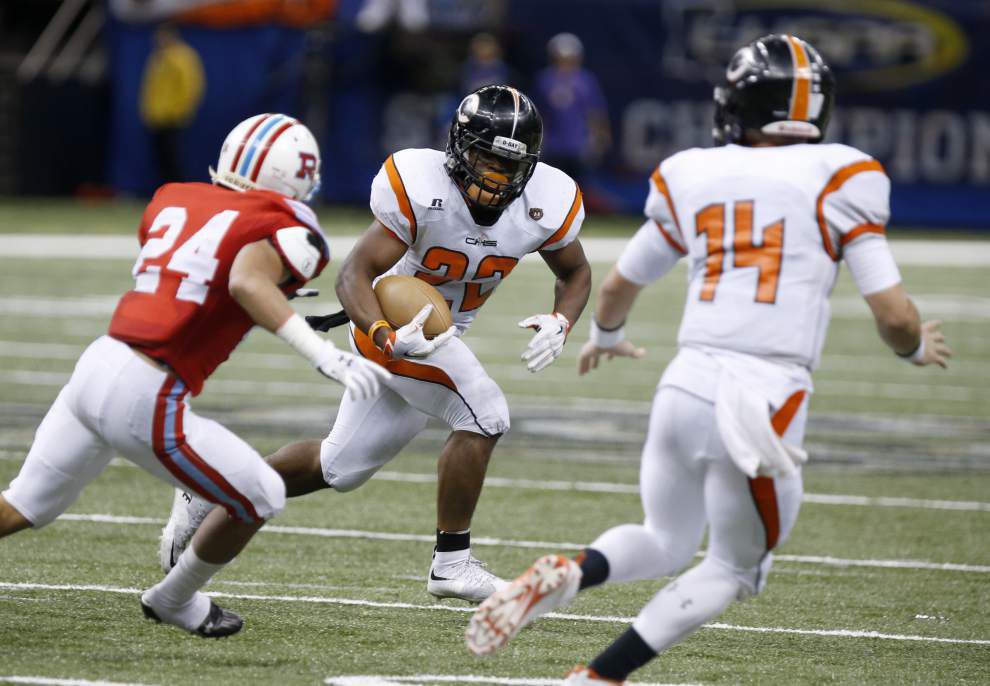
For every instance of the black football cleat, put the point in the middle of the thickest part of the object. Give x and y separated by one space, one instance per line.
219 623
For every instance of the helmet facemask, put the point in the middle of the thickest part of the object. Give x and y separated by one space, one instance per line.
498 170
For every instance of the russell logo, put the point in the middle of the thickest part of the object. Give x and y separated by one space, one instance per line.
535 213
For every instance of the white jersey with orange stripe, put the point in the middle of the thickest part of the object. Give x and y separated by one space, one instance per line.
414 198
763 229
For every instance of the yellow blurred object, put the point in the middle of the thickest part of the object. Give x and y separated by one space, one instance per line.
173 82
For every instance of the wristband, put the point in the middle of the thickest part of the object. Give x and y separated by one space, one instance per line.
915 356
375 326
296 332
607 338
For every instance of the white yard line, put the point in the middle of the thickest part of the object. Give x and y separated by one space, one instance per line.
49 681
430 679
324 600
300 389
537 545
907 252
633 489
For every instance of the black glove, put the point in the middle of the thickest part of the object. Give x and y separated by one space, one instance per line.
327 321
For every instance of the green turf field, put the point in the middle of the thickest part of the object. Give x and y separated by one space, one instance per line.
885 580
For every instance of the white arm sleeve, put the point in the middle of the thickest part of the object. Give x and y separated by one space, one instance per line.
871 264
647 256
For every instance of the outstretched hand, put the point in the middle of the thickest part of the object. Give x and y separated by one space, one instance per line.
590 354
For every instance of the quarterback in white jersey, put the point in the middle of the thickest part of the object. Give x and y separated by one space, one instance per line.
460 220
763 221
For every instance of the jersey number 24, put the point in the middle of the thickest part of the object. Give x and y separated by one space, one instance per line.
193 258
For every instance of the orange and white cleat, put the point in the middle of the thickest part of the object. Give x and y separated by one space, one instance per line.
550 583
586 676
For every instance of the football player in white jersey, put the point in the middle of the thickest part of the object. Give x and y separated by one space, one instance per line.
763 220
460 220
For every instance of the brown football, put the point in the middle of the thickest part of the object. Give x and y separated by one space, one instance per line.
402 297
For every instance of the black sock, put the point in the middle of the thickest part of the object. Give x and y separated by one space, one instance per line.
629 652
449 541
594 568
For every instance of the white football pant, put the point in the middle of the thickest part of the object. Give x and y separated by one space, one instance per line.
116 401
450 384
688 481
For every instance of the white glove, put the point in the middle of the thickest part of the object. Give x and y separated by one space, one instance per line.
362 378
409 340
548 342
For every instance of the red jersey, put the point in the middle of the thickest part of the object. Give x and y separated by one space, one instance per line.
180 311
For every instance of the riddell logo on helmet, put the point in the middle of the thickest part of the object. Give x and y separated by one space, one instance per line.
307 165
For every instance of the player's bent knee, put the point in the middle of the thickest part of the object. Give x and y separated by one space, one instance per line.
269 493
41 492
340 471
750 581
485 409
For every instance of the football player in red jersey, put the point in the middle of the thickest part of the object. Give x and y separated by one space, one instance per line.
215 261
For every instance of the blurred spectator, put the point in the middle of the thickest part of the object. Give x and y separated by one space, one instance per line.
171 91
376 15
574 112
484 65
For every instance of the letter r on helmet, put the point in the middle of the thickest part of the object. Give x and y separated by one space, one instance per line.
307 165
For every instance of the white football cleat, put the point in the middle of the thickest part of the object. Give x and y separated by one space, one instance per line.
188 512
586 676
550 583
467 579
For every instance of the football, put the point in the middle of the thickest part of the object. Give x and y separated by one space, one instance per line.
401 297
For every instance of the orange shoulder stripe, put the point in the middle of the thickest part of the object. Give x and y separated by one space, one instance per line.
860 230
568 220
834 184
399 189
661 185
670 239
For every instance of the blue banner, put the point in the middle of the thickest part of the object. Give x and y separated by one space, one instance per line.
913 89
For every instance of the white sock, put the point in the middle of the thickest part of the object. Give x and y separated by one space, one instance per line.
176 597
442 559
682 606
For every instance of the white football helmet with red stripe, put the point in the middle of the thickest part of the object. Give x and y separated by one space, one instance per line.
273 152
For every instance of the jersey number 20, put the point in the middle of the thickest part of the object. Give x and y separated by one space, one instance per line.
193 259
766 257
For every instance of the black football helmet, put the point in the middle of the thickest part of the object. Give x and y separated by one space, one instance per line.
499 122
777 84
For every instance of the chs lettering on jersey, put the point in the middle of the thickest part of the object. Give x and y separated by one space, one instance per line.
180 311
413 196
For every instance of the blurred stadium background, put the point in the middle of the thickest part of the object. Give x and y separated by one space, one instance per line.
886 578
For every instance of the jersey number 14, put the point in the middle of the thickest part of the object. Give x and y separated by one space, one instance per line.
743 252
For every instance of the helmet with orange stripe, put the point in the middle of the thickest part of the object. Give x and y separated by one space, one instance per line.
777 85
493 146
272 152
